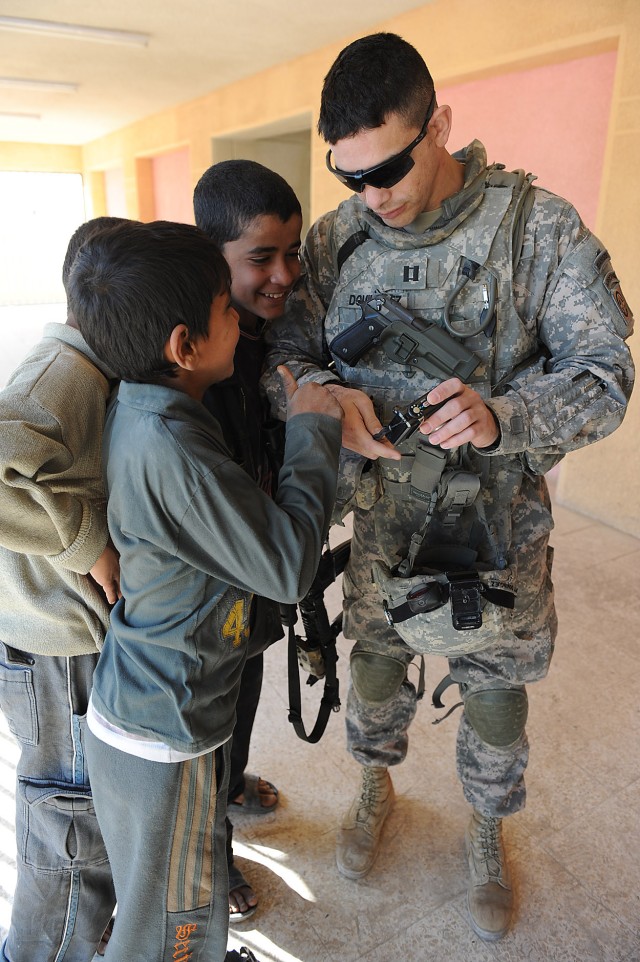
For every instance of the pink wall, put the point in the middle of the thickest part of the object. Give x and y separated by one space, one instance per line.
172 191
551 120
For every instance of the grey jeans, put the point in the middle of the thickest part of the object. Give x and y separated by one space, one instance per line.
64 893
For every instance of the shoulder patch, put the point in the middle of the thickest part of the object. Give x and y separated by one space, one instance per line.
612 284
602 265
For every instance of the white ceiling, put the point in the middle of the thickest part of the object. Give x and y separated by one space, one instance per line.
195 46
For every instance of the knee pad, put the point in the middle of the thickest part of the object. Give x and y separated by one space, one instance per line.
376 678
497 715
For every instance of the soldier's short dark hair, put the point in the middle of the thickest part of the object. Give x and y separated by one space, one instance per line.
232 193
370 79
132 283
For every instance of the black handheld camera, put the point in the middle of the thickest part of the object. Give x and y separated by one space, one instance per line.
406 421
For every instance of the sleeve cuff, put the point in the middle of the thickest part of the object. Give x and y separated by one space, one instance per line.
513 424
89 544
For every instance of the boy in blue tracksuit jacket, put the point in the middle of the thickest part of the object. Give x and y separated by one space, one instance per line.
197 537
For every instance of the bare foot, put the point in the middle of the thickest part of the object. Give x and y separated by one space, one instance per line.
259 797
268 795
242 899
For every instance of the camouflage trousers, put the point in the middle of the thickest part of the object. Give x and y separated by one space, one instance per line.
492 779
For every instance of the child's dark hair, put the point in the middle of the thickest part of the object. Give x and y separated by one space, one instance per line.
231 194
131 284
370 79
82 234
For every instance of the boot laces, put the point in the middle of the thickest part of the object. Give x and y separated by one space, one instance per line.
488 837
370 795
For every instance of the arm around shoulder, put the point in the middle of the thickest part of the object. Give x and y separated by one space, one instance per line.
297 338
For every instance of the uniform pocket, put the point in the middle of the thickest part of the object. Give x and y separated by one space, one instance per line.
358 485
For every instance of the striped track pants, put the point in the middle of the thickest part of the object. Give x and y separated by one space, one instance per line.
164 829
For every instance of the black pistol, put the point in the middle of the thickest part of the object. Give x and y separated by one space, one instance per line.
406 339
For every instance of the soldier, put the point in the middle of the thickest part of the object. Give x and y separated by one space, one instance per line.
520 346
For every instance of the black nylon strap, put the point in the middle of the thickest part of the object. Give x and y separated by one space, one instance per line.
406 610
350 245
330 698
322 634
498 596
436 698
439 690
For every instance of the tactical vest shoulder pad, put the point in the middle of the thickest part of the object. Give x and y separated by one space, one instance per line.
521 184
344 239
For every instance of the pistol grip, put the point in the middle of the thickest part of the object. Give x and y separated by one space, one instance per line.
350 345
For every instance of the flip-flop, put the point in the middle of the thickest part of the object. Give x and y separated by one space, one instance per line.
237 881
251 804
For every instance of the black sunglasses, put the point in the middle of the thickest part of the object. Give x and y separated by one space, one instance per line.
391 171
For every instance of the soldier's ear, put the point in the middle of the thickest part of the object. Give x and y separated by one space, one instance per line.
440 125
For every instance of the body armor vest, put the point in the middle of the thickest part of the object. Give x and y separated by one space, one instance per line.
421 272
466 496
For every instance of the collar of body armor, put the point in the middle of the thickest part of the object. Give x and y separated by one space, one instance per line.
474 158
454 209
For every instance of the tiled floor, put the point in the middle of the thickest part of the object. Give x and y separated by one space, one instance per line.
575 851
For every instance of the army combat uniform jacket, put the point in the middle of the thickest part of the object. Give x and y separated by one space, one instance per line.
553 365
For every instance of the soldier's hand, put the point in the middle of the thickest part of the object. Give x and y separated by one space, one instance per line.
464 419
360 424
311 398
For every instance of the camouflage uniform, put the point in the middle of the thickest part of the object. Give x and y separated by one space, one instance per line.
556 289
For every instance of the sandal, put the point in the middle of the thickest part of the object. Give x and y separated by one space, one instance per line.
252 804
238 881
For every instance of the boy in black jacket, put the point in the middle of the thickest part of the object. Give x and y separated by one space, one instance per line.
254 216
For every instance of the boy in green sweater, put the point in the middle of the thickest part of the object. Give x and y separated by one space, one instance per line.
58 577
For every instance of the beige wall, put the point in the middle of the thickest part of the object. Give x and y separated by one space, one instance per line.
461 40
54 158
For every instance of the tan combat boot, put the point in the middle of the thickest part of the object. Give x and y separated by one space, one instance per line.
490 898
361 827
